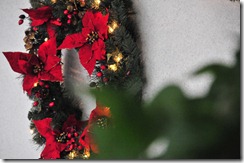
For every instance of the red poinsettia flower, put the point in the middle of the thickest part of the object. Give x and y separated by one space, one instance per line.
39 15
53 147
43 15
45 66
90 40
86 139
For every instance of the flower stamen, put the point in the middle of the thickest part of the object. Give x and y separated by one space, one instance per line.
92 37
38 68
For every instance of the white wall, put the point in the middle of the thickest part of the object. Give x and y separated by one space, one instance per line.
178 37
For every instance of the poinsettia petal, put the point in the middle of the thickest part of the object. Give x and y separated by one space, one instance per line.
99 50
18 61
47 77
87 59
51 62
100 36
100 23
82 138
73 41
89 140
39 15
85 32
43 126
51 30
88 20
50 151
101 112
28 83
95 45
34 60
56 72
47 48
56 22
24 66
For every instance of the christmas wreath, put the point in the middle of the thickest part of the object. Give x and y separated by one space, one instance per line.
103 32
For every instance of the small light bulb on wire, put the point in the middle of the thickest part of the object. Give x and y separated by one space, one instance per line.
35 84
118 57
114 25
73 154
96 4
113 67
31 131
86 154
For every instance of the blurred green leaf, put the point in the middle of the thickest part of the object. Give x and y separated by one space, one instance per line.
198 128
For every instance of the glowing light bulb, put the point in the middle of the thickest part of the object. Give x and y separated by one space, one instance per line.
118 57
53 1
46 39
86 154
114 25
73 154
35 84
96 4
113 67
31 131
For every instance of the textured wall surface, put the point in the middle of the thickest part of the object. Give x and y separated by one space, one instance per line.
178 37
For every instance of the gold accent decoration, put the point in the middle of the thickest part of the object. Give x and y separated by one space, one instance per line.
109 55
70 8
29 39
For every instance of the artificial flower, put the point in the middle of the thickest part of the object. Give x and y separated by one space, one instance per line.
53 148
45 66
40 15
90 40
43 15
86 138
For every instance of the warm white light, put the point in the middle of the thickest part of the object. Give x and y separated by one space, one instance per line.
46 39
72 154
96 4
32 131
114 25
35 84
118 58
86 154
113 67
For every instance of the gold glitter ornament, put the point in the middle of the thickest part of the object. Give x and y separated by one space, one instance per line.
70 8
29 39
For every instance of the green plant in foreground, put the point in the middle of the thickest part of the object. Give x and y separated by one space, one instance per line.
194 128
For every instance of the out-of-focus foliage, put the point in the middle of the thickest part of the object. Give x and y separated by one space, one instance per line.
199 128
